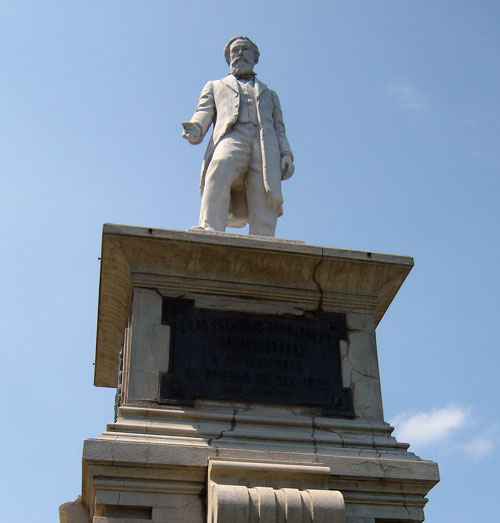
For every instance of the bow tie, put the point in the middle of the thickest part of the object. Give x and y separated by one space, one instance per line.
244 76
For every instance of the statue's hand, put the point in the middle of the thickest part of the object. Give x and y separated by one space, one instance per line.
287 167
191 132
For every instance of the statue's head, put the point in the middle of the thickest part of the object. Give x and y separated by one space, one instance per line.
241 54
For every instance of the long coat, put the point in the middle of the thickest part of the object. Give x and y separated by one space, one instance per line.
220 104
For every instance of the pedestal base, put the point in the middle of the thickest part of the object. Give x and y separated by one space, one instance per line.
196 314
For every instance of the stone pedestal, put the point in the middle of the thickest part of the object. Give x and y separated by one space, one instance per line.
215 425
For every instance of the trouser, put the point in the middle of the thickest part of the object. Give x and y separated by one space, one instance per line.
235 175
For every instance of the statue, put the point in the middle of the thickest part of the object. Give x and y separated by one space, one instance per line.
248 153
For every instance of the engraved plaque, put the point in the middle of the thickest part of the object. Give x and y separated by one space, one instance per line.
254 357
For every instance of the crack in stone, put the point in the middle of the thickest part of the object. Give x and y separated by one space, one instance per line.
189 503
155 289
353 367
320 290
313 436
337 433
222 432
233 421
374 445
405 501
198 423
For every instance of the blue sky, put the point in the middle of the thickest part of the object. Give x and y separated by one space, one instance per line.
392 111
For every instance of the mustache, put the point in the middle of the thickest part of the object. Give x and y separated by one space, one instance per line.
241 59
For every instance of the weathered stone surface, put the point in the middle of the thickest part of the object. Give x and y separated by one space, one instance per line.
278 276
360 367
151 471
231 503
149 352
271 492
265 460
181 507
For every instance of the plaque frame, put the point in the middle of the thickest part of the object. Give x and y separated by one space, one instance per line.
261 358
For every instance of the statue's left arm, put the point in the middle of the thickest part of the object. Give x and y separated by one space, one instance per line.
287 167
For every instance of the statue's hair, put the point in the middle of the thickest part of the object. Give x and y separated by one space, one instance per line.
227 49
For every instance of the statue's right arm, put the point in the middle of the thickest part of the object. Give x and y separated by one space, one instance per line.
202 117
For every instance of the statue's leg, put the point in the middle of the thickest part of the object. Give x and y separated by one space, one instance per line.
229 161
262 216
238 207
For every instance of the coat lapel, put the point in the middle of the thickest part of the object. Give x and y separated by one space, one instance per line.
231 82
260 87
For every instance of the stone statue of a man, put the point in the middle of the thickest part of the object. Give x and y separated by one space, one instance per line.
248 153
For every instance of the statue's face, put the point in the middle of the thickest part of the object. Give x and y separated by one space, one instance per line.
241 57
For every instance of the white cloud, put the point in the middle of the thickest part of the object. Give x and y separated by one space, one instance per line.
423 428
481 445
406 97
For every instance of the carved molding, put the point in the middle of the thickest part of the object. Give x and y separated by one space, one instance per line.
236 493
235 504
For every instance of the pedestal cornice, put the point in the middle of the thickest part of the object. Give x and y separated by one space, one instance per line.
271 271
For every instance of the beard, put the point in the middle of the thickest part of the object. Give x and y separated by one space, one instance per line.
241 66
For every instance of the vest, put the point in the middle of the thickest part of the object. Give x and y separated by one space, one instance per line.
248 109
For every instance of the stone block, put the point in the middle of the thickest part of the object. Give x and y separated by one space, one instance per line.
148 354
360 322
181 507
361 374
